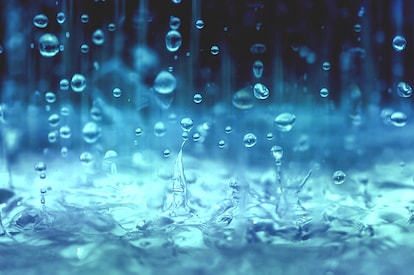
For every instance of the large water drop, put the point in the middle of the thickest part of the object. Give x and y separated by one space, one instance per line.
48 45
285 121
173 41
78 83
260 91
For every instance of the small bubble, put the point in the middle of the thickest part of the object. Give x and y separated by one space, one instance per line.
249 140
86 158
339 177
269 136
404 90
78 83
48 45
277 152
285 121
199 23
111 27
175 22
50 97
260 91
221 144
196 137
65 132
138 131
398 119
84 48
40 167
42 176
399 43
98 37
159 129
184 135
116 92
40 21
198 98
91 132
64 84
84 18
357 28
187 124
60 17
214 50
243 100
228 129
173 40
52 136
166 153
64 152
258 48
53 120
324 92
326 66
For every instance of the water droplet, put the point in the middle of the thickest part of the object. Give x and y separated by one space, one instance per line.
50 97
324 92
221 144
54 120
86 158
84 18
258 69
243 99
98 37
399 43
269 136
40 21
249 140
159 129
40 167
398 119
165 83
65 132
357 28
65 111
285 121
214 50
78 83
116 92
184 135
199 23
64 152
228 129
175 22
173 41
84 48
198 98
176 1
64 84
326 66
187 124
404 90
277 152
196 137
48 45
260 91
52 136
138 131
339 177
96 113
258 48
60 17
111 27
166 153
91 132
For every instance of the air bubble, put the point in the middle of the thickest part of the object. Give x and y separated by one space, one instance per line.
175 22
60 17
165 83
285 121
50 97
78 83
249 140
339 177
64 84
40 167
398 119
40 21
84 18
260 91
199 24
91 132
167 153
243 100
221 144
399 43
258 69
116 92
228 129
324 92
52 136
173 41
86 158
196 137
187 124
48 45
65 132
159 129
138 131
84 48
214 50
326 66
198 98
53 120
98 37
404 90
269 136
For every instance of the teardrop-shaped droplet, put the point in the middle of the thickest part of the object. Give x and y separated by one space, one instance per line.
258 69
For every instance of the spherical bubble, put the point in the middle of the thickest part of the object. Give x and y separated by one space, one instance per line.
159 129
199 23
326 66
40 167
91 132
40 21
214 50
339 177
196 137
138 131
52 136
173 41
258 48
277 152
324 92
86 158
84 18
165 83
116 92
285 121
187 124
48 45
111 27
166 153
98 37
357 28
65 132
242 100
198 98
221 144
404 90
399 43
228 129
175 22
398 119
258 69
185 135
64 84
84 48
269 136
50 97
60 17
78 83
53 120
260 91
249 140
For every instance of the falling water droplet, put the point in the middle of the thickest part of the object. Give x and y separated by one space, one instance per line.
159 129
198 98
54 120
175 22
138 131
50 97
339 177
249 140
40 21
64 152
52 136
258 69
60 17
116 92
398 119
228 129
78 83
269 136
199 24
277 152
98 37
399 43
91 132
166 153
111 27
165 83
173 41
324 92
187 124
84 18
64 84
84 48
260 91
48 45
326 66
65 132
221 144
404 90
214 50
40 167
285 121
